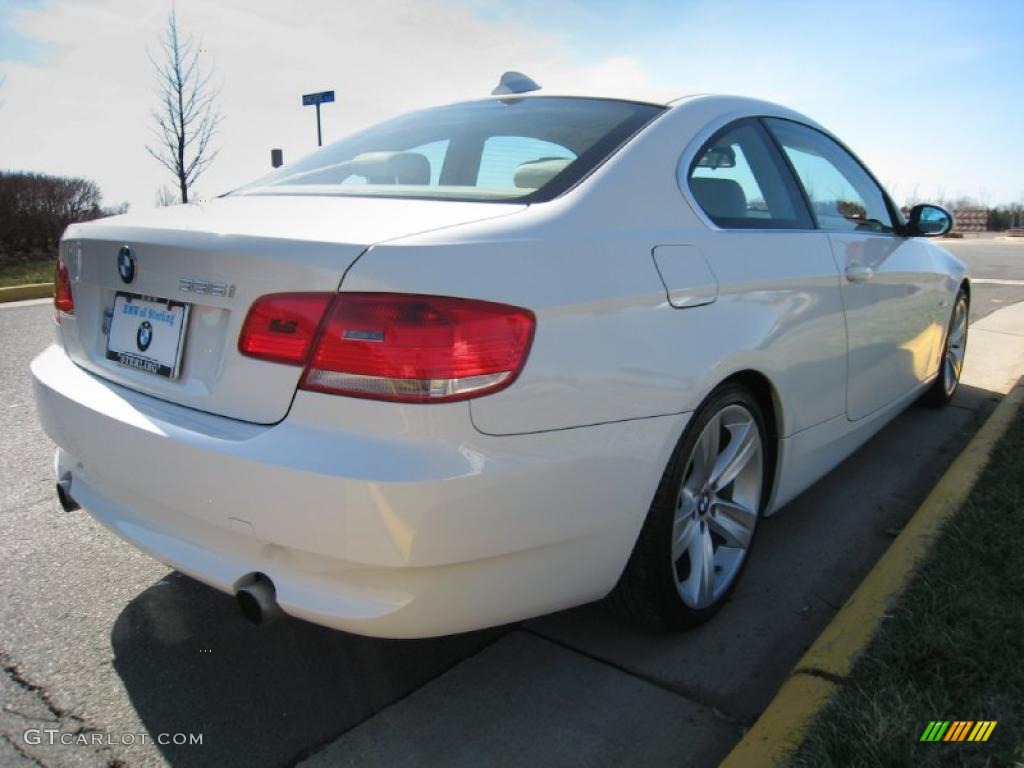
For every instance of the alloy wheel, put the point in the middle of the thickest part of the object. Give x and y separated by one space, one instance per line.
717 506
956 346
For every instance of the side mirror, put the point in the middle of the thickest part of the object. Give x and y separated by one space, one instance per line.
929 221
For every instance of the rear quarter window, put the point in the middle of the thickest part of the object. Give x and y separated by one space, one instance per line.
740 182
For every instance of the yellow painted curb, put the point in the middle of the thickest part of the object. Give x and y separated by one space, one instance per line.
30 291
780 728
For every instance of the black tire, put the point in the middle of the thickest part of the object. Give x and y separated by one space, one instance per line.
943 388
647 591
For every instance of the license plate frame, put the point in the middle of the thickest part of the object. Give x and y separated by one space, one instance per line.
154 311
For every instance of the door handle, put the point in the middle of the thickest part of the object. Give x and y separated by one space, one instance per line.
859 274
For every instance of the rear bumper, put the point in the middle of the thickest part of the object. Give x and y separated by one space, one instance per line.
399 521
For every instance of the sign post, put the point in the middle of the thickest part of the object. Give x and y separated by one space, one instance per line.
323 97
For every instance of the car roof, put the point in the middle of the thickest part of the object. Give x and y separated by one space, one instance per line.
640 96
722 104
725 103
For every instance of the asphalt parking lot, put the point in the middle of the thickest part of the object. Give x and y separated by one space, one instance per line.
97 638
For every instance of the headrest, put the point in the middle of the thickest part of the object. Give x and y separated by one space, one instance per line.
391 167
720 198
536 173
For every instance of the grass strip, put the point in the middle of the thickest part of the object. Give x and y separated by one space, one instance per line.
952 648
25 272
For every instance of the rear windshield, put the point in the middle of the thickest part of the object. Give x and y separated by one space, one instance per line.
523 149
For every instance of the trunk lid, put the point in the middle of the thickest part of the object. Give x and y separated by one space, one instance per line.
218 258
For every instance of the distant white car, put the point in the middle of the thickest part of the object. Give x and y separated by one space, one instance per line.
495 359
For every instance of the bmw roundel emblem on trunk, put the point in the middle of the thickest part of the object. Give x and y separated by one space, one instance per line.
126 264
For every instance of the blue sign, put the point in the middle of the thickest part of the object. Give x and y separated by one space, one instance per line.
309 99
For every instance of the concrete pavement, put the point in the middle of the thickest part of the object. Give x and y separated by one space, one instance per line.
527 701
996 347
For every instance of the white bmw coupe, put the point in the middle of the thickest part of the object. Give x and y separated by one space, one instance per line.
494 359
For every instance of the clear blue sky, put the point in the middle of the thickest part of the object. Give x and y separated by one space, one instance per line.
15 46
930 94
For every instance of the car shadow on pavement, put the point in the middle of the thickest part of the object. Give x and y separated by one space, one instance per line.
259 695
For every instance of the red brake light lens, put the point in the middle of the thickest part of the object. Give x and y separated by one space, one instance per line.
383 346
280 327
418 348
63 301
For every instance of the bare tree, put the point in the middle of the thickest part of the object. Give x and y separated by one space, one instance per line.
187 117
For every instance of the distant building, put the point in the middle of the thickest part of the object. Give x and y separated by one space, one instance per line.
970 220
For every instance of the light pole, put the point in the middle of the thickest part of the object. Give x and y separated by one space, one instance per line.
323 97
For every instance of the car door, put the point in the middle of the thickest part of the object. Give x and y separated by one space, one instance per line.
773 281
891 293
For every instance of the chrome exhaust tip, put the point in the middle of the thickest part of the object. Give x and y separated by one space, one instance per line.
257 599
67 501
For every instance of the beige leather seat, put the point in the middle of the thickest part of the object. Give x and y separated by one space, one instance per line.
394 167
720 198
536 173
376 168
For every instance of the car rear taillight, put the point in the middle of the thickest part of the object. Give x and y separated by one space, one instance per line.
405 348
280 327
63 301
418 348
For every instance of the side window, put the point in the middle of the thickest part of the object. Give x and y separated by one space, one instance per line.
521 162
741 183
842 194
